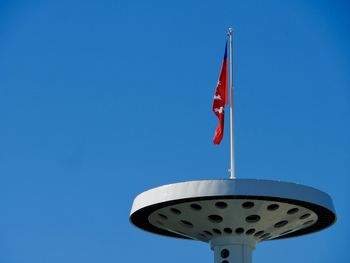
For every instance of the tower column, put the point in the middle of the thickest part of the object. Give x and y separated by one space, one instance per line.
232 249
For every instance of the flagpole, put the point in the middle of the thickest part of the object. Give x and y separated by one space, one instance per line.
232 160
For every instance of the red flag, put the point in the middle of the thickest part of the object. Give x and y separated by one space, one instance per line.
220 100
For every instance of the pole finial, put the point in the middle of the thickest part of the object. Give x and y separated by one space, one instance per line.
230 31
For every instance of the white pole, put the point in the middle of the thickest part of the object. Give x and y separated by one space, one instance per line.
232 163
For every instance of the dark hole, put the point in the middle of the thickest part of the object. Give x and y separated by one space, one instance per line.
225 253
175 211
281 223
208 233
215 218
162 216
225 261
228 230
216 231
292 211
247 205
221 205
305 216
239 230
273 207
259 233
308 222
250 231
202 235
196 207
186 223
252 218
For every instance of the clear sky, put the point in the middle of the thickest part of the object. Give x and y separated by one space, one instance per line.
101 100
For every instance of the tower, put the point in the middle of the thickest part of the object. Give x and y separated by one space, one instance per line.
233 215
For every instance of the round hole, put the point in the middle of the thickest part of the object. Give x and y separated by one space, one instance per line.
292 211
175 211
308 222
247 205
215 218
281 223
196 207
225 253
225 261
221 205
305 216
162 216
259 233
273 207
227 230
207 232
186 224
252 218
216 231
250 231
239 230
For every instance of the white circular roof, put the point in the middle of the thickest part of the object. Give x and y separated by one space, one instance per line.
256 209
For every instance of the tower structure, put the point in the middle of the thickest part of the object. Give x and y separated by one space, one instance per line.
233 215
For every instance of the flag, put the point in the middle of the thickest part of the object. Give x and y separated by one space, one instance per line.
220 100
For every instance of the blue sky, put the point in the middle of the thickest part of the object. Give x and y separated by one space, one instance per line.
101 100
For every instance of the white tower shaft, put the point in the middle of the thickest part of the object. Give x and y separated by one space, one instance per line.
232 250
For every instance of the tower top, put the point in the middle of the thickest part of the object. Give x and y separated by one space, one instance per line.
243 209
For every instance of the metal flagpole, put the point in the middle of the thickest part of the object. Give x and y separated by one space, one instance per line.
232 163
